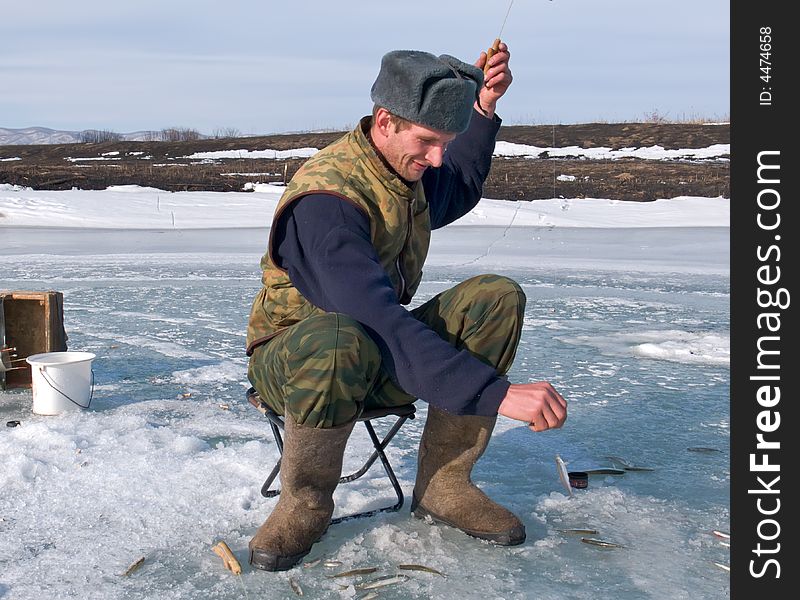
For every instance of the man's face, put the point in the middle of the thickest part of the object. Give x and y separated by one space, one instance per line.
413 148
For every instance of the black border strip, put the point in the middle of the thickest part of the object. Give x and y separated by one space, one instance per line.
763 262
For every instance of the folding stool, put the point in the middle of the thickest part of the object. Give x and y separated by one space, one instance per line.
403 413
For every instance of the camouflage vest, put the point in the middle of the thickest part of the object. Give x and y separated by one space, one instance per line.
399 228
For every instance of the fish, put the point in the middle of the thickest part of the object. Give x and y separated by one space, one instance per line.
578 531
134 567
381 582
721 566
703 449
721 534
420 568
626 465
618 460
369 596
332 563
229 561
312 563
295 587
601 543
725 544
353 572
604 471
563 475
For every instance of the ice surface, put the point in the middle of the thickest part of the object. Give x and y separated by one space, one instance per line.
630 324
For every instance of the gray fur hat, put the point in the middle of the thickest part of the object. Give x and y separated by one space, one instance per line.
437 92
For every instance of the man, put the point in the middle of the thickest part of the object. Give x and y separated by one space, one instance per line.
329 335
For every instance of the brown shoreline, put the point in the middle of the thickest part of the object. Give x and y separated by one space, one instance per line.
159 164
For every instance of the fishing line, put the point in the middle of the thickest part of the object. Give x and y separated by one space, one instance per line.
489 54
501 238
244 589
554 164
510 4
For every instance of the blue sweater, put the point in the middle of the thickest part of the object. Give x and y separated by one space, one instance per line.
324 243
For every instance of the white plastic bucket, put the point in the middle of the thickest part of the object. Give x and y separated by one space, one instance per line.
61 381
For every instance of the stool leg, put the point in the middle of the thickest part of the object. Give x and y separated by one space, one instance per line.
380 446
386 466
265 491
276 431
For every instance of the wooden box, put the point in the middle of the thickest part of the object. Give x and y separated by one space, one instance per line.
30 323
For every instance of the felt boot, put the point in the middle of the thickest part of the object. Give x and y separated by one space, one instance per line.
311 466
450 447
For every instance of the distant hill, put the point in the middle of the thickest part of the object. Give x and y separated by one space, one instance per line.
36 135
43 135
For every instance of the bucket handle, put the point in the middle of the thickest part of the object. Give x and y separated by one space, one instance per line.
50 383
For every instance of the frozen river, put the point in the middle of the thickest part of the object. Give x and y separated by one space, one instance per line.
631 324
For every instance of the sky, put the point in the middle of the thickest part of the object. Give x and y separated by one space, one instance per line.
264 67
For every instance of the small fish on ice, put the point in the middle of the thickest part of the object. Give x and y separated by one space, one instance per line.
563 474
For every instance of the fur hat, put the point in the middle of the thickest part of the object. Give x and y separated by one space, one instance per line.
437 92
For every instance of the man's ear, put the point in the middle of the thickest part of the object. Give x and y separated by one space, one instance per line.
383 121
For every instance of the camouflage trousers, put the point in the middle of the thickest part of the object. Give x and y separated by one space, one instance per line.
326 369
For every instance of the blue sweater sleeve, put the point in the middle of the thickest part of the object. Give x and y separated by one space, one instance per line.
455 188
324 243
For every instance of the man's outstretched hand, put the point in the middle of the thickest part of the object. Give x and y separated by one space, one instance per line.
537 404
